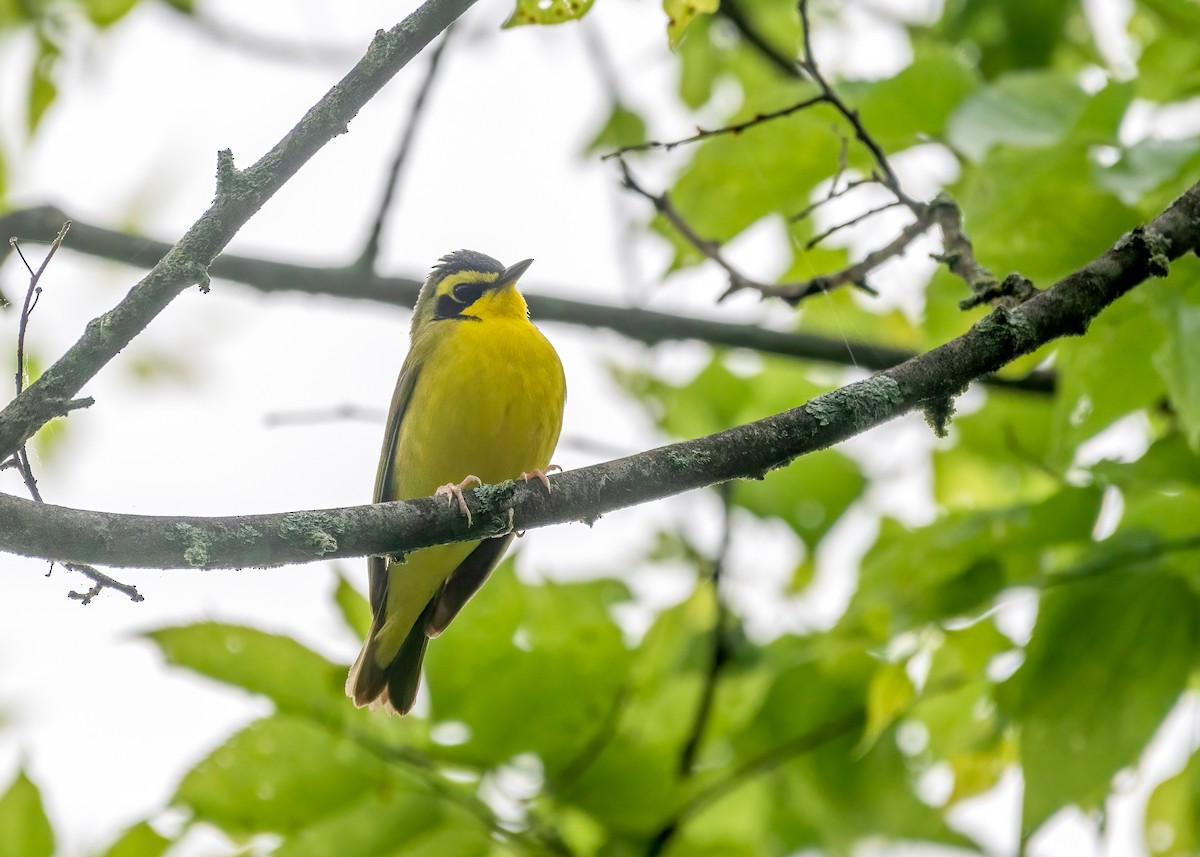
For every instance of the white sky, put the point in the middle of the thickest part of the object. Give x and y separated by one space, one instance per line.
84 704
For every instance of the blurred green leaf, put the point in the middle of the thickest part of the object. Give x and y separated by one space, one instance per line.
1169 64
1026 109
1178 358
955 566
295 678
628 780
547 11
397 820
915 104
141 840
1173 814
26 830
1000 454
104 13
1146 166
355 608
889 694
681 13
282 774
1107 374
529 669
624 127
1108 658
42 87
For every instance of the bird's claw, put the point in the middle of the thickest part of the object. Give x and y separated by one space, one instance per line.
452 492
540 475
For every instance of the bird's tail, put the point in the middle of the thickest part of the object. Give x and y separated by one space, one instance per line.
392 686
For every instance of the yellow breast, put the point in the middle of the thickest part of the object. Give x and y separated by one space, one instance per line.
488 403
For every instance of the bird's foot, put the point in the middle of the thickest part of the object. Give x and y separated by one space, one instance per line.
540 475
454 492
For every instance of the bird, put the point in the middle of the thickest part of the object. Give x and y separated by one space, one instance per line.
479 399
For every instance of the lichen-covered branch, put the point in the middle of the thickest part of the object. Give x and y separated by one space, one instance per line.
240 193
744 451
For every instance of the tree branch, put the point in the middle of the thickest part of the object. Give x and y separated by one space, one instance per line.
240 193
642 325
745 451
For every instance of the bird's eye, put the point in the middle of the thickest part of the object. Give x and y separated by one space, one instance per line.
466 293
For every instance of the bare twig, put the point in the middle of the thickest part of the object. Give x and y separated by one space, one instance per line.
834 193
792 292
704 134
846 224
732 11
316 416
721 648
20 459
370 252
957 252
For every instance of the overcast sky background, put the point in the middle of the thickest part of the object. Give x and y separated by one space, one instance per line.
85 705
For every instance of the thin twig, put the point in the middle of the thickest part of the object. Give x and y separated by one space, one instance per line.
317 416
809 65
370 251
754 768
20 459
792 292
706 133
732 11
834 193
721 649
817 239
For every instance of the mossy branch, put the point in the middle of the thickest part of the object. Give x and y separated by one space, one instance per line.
240 193
745 451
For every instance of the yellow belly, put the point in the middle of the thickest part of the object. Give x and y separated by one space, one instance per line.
488 403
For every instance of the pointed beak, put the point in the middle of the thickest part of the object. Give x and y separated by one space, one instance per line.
512 273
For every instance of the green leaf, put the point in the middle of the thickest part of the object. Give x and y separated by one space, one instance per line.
1146 166
826 794
955 566
653 717
1107 374
296 678
681 13
42 88
282 774
1027 109
27 831
356 610
395 821
624 127
914 105
1173 814
529 669
107 12
547 12
1169 65
1167 464
141 840
1000 455
889 695
1178 358
1108 658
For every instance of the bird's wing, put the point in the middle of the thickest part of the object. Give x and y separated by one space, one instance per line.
464 582
384 490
